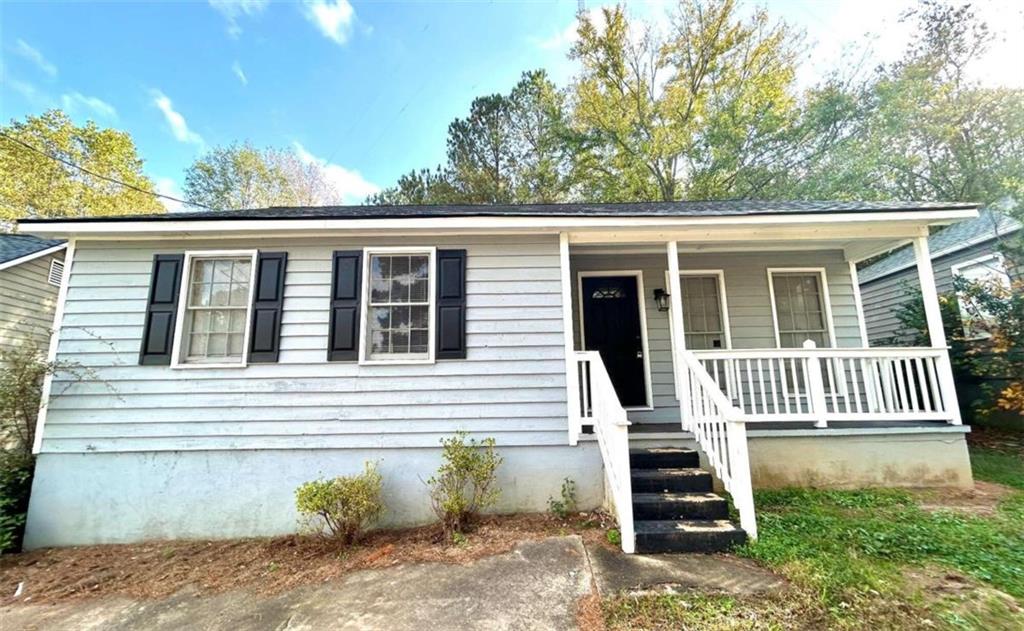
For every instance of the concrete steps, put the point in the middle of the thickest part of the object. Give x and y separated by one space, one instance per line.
674 508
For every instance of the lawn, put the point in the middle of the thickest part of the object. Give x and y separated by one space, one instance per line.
870 559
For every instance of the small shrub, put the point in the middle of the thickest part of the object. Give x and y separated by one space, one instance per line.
567 505
342 508
464 483
614 536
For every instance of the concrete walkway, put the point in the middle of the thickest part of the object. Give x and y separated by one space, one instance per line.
537 586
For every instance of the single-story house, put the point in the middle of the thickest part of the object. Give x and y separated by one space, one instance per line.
646 351
30 274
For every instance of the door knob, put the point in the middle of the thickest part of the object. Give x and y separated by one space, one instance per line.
639 354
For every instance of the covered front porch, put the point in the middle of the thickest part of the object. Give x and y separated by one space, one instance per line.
722 335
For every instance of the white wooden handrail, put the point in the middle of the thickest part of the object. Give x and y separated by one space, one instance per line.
600 406
834 384
719 428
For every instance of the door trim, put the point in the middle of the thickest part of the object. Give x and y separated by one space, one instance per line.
641 307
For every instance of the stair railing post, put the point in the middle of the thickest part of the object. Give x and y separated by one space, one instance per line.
815 387
739 464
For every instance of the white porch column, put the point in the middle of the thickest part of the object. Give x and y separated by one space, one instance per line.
572 375
936 332
675 294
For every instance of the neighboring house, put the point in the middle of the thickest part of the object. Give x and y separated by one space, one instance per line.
969 248
235 355
30 275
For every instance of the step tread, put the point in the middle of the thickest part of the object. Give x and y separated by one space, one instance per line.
665 526
682 451
673 472
676 497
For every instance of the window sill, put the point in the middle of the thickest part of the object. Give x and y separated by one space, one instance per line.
395 362
192 366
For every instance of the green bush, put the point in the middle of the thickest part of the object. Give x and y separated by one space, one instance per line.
15 484
565 506
464 484
344 507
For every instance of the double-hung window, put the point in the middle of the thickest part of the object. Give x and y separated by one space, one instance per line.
399 305
215 308
704 319
800 307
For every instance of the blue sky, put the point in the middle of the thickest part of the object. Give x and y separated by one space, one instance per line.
366 88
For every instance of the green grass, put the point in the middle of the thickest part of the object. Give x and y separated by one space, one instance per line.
997 466
850 554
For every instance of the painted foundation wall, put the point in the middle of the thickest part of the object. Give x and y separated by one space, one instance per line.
891 460
80 499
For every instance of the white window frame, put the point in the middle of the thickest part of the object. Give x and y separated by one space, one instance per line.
177 361
823 276
642 306
49 275
979 260
364 306
723 307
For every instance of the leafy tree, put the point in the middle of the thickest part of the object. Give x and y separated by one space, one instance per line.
417 187
242 176
706 109
34 185
926 131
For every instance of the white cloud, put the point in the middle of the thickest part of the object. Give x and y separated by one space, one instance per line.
168 186
75 101
232 10
350 184
23 88
334 18
28 52
237 69
175 120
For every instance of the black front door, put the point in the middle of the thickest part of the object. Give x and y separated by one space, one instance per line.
611 326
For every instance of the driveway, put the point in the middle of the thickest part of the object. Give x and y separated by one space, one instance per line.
536 586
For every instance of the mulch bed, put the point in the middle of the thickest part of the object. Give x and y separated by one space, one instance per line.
261 565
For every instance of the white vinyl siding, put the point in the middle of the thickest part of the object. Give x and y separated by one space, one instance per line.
749 305
511 385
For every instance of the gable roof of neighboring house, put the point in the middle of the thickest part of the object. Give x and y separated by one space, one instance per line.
16 249
988 225
637 209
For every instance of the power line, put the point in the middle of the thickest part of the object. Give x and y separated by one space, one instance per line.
101 176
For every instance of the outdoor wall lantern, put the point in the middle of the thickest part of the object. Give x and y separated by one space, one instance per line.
661 297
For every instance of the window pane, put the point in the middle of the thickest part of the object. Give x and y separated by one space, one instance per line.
217 309
400 279
380 278
400 328
701 313
800 309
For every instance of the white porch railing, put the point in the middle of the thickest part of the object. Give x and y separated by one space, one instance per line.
719 428
834 384
599 405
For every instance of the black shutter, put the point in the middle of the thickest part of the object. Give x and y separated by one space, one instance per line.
451 304
343 343
158 333
267 304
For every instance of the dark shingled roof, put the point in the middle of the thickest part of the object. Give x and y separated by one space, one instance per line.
640 209
15 246
987 225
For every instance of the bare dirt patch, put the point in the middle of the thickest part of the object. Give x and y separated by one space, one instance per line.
982 500
262 566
